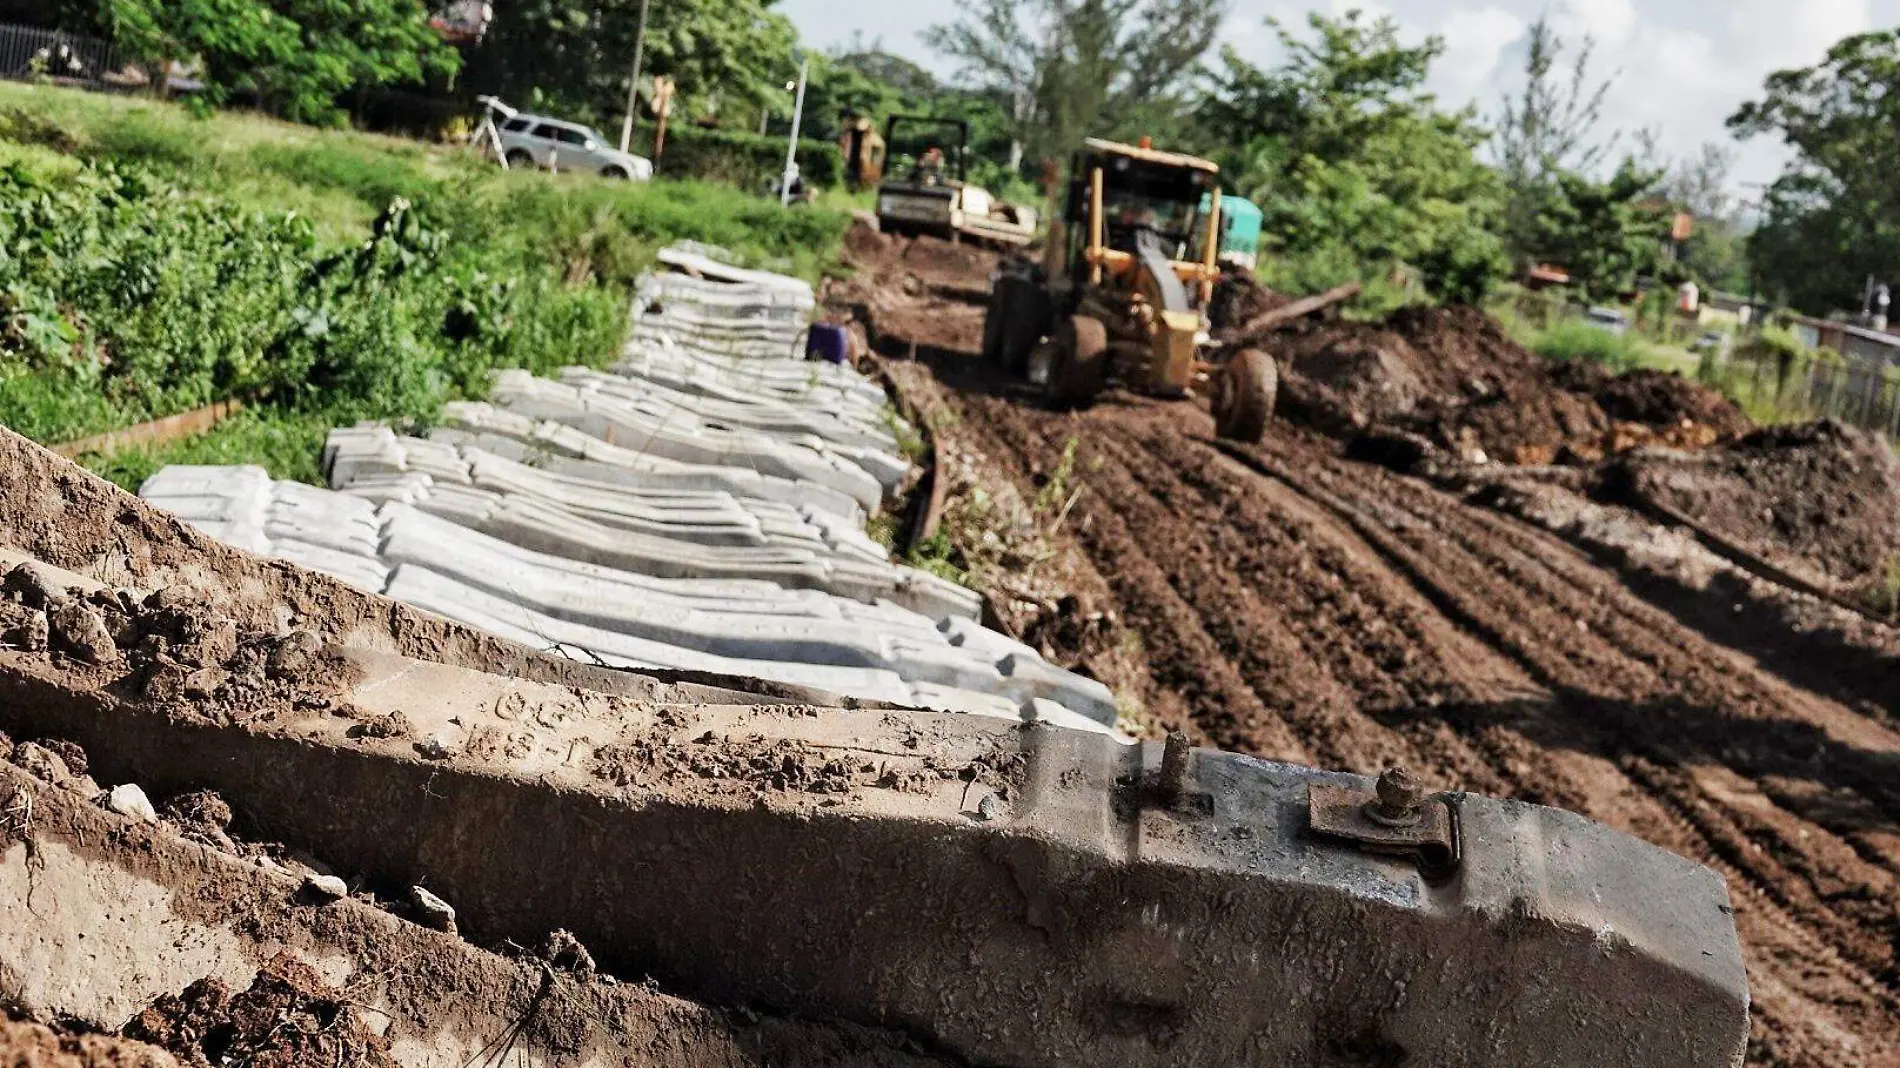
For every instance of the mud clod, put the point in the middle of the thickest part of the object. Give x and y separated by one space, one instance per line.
293 654
78 631
201 808
42 763
31 585
287 1018
565 953
28 631
384 725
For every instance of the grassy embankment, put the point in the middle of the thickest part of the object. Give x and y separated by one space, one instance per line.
152 262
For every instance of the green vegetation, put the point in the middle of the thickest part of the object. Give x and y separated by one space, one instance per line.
1358 172
155 262
295 57
1833 217
1575 340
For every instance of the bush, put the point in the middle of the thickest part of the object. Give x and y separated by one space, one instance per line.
325 277
746 160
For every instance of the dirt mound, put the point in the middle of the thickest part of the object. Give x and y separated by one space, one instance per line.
1658 398
287 1018
1455 378
1238 298
1823 495
865 246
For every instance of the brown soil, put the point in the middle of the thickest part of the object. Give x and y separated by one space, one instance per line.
1287 602
287 1018
1238 298
1454 377
1823 497
24 1044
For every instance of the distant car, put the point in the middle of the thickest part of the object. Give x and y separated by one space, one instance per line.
1607 319
539 141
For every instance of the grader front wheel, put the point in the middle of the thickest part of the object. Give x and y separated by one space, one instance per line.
1243 395
1079 363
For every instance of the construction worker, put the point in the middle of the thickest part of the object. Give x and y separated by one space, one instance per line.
930 168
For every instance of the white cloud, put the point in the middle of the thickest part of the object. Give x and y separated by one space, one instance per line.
1682 66
1604 20
1475 40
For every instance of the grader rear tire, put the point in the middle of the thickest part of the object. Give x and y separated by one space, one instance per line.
1080 366
1243 396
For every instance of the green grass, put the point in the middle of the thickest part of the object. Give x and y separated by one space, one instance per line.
176 260
287 444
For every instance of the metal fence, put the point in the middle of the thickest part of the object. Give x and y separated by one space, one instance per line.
31 54
1865 393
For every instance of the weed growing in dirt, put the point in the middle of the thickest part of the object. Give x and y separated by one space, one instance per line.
882 528
939 555
1055 492
909 441
1883 596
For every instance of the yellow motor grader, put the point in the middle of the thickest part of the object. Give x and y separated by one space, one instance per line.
1122 290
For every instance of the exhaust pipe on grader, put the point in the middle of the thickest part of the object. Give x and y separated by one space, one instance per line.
1122 292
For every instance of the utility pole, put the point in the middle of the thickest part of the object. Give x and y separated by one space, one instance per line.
633 83
791 145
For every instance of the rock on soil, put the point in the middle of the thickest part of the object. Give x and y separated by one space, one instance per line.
326 887
287 1018
432 911
129 800
1821 495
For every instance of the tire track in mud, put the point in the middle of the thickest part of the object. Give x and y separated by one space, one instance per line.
1559 714
1795 877
1529 771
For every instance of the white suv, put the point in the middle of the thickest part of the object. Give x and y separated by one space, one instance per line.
538 141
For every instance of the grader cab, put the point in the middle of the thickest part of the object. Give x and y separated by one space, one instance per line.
1122 291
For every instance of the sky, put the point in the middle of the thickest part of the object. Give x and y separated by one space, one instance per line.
1680 67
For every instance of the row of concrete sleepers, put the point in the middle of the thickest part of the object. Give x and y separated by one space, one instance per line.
700 506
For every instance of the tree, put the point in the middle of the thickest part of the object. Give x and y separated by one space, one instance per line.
1830 219
1699 185
1079 68
726 57
1548 129
1355 166
1608 234
296 57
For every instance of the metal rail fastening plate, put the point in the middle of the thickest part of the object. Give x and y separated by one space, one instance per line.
1395 818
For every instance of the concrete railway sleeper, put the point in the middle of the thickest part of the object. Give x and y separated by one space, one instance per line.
1010 894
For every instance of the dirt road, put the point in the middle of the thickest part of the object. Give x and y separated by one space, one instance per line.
1286 602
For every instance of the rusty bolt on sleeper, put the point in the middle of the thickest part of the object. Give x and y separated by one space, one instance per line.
1171 784
1398 800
